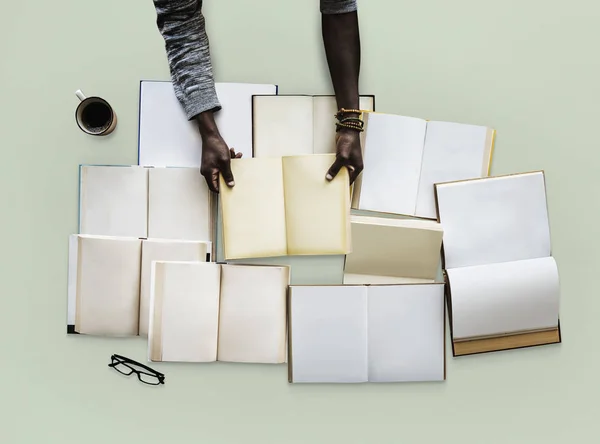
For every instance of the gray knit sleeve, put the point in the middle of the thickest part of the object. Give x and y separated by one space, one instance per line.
181 24
338 6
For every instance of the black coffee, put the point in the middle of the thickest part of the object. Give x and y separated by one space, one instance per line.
96 117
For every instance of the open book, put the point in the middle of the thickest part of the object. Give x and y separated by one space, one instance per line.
503 282
288 125
209 312
405 156
168 138
388 251
132 201
109 281
285 206
378 333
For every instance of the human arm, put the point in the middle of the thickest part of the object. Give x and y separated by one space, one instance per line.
182 25
341 40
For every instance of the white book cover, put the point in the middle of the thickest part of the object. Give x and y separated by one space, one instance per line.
168 138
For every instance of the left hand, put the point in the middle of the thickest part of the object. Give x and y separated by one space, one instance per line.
348 154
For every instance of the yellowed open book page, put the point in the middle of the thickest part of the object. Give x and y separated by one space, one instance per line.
184 320
254 210
252 325
108 286
400 248
317 210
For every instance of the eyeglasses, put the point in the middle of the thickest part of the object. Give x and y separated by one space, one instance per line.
144 373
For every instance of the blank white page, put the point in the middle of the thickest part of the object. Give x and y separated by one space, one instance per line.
393 149
406 333
179 204
164 250
168 138
502 298
453 151
113 201
324 120
328 334
253 314
185 313
283 125
108 286
496 219
72 279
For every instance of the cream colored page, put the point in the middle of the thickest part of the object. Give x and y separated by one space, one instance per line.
108 286
178 204
393 149
317 210
394 248
493 220
114 201
328 331
371 279
190 311
253 314
325 108
453 151
283 125
164 250
253 211
504 298
406 333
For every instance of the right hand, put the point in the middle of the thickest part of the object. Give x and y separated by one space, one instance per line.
216 155
216 159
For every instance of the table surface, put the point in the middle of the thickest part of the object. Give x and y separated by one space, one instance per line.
529 69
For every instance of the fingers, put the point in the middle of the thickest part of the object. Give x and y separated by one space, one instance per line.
336 167
212 180
227 174
354 172
234 155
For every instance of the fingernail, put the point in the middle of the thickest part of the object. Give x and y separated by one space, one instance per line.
329 177
230 184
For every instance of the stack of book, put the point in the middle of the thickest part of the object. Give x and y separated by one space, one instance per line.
345 284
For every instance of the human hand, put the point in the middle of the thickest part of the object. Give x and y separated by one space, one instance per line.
348 154
216 155
216 159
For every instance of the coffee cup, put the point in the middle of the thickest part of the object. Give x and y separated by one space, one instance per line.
94 115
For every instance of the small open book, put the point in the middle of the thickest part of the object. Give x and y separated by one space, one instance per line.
133 201
405 156
378 333
168 138
393 251
503 282
287 125
285 206
204 312
109 281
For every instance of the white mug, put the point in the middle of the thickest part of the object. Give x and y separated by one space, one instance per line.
94 115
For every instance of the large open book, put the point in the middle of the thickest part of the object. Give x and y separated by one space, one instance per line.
388 251
285 206
132 201
405 156
168 138
209 312
289 125
109 281
503 282
378 333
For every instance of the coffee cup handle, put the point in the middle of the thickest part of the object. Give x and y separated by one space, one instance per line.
80 95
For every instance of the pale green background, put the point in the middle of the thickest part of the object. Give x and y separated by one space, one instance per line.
529 68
